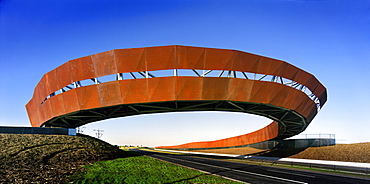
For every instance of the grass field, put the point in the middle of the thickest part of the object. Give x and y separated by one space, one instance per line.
359 152
142 169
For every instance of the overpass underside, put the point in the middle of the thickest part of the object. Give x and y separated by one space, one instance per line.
290 121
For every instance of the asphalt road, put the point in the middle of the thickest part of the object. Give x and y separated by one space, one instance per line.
252 173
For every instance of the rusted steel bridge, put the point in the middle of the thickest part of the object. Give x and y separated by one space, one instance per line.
125 82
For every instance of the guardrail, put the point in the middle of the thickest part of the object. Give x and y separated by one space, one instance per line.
321 164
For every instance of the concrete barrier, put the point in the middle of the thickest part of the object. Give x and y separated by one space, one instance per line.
37 130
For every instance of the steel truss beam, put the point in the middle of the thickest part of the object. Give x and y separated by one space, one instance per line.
291 121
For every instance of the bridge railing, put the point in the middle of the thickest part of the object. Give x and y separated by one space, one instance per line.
315 136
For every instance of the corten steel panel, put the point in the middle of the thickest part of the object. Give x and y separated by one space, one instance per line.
130 60
310 112
162 89
134 91
46 111
88 97
303 103
190 57
303 109
104 63
37 95
57 105
52 81
323 97
82 68
253 63
175 88
308 109
279 95
64 76
33 113
272 130
312 83
294 99
320 92
303 77
189 88
270 66
160 58
215 88
37 120
30 108
290 72
70 100
246 62
110 93
268 132
240 90
218 59
261 92
43 88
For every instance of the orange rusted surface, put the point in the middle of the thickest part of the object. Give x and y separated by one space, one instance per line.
124 97
267 133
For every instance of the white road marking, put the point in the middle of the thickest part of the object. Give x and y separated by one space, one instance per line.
267 176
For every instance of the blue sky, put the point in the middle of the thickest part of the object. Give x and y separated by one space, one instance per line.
329 39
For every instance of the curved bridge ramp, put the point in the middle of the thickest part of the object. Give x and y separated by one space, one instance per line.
127 82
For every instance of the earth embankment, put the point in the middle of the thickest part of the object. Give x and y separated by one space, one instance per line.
32 158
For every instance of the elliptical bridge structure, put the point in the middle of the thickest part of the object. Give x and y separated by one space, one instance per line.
126 82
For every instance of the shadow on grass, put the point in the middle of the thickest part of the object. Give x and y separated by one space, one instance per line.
187 179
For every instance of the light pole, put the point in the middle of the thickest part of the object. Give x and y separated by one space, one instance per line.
80 129
99 133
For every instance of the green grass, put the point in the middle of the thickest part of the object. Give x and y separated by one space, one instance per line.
142 169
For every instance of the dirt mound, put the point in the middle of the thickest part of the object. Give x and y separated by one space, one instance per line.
32 158
358 152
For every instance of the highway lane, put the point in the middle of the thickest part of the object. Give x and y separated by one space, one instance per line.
252 173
